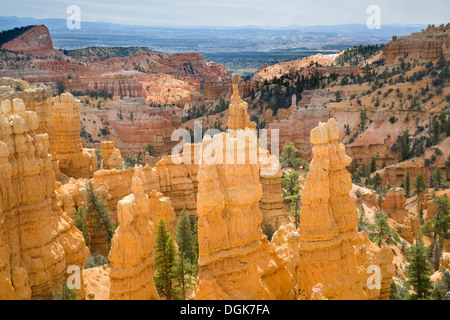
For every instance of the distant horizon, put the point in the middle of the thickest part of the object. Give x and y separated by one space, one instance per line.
234 13
240 26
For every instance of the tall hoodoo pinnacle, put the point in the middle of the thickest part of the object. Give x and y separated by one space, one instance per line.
332 252
131 253
235 80
238 119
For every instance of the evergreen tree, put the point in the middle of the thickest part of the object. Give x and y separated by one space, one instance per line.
436 132
184 237
407 185
184 270
363 222
81 223
438 179
438 226
290 156
418 270
362 118
420 213
376 182
164 261
195 248
290 184
102 216
405 145
373 165
380 232
420 184
447 127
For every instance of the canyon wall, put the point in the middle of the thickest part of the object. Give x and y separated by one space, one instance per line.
38 240
426 45
332 252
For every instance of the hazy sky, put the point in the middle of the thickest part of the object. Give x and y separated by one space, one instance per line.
234 12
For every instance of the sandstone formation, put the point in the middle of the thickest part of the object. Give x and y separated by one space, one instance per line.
73 160
38 240
395 174
179 182
332 252
272 201
131 253
406 224
297 126
239 118
236 261
161 208
111 155
137 74
118 184
36 40
426 45
38 99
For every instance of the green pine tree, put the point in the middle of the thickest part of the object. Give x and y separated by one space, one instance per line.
363 222
420 213
81 223
438 227
436 132
290 184
438 179
164 261
290 157
418 270
373 165
102 216
407 185
184 270
380 232
377 181
420 184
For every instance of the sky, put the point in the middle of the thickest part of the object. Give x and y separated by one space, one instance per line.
275 13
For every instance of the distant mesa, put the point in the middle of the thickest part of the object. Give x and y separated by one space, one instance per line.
30 39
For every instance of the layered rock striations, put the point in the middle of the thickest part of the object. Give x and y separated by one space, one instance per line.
236 261
38 240
73 160
36 40
332 252
426 45
297 126
131 254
